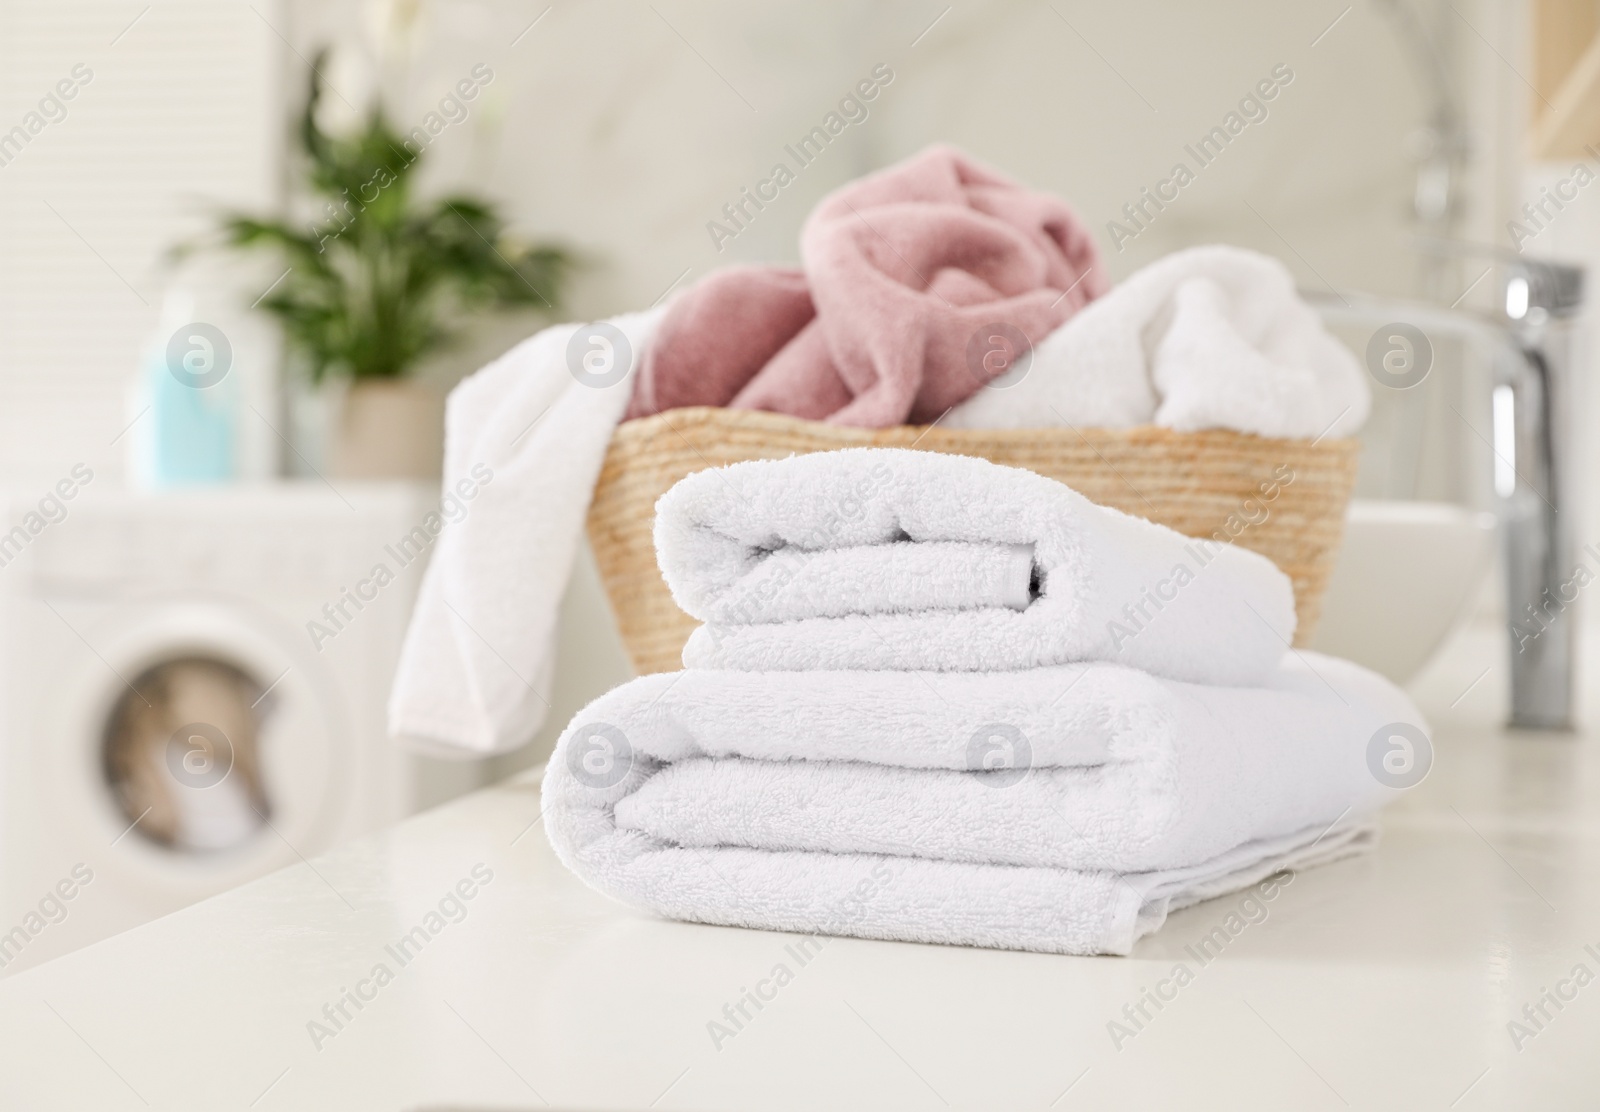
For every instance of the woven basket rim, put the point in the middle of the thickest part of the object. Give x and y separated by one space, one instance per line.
699 416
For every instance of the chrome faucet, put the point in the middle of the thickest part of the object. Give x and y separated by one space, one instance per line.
1530 343
1532 477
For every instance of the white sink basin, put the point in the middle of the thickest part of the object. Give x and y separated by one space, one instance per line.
1407 574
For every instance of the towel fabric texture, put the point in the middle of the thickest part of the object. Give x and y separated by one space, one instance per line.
874 558
1210 337
1063 809
886 324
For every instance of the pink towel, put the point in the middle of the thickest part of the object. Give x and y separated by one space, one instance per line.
907 271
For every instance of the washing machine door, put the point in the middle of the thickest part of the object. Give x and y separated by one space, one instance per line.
202 749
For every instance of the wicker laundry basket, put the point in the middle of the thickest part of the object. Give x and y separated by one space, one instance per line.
1202 484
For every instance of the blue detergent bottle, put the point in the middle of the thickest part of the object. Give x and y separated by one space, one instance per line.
187 430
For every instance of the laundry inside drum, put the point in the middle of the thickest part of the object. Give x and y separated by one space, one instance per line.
181 755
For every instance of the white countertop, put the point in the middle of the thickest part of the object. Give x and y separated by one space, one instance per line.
1387 981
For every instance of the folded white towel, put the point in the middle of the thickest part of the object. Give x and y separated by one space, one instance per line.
894 559
1063 809
475 668
1210 337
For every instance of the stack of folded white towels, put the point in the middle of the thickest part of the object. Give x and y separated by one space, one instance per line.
940 700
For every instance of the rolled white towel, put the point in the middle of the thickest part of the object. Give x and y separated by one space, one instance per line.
1209 337
1061 809
879 558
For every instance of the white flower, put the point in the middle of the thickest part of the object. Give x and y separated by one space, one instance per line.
349 84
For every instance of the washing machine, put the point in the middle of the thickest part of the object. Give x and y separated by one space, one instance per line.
192 690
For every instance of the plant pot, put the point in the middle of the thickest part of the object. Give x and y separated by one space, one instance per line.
388 429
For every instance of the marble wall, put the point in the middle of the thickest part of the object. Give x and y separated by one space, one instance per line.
623 127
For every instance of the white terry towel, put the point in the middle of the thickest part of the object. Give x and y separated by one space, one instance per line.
878 558
475 668
1210 337
1062 809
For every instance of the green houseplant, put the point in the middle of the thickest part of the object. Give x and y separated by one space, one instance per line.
378 280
